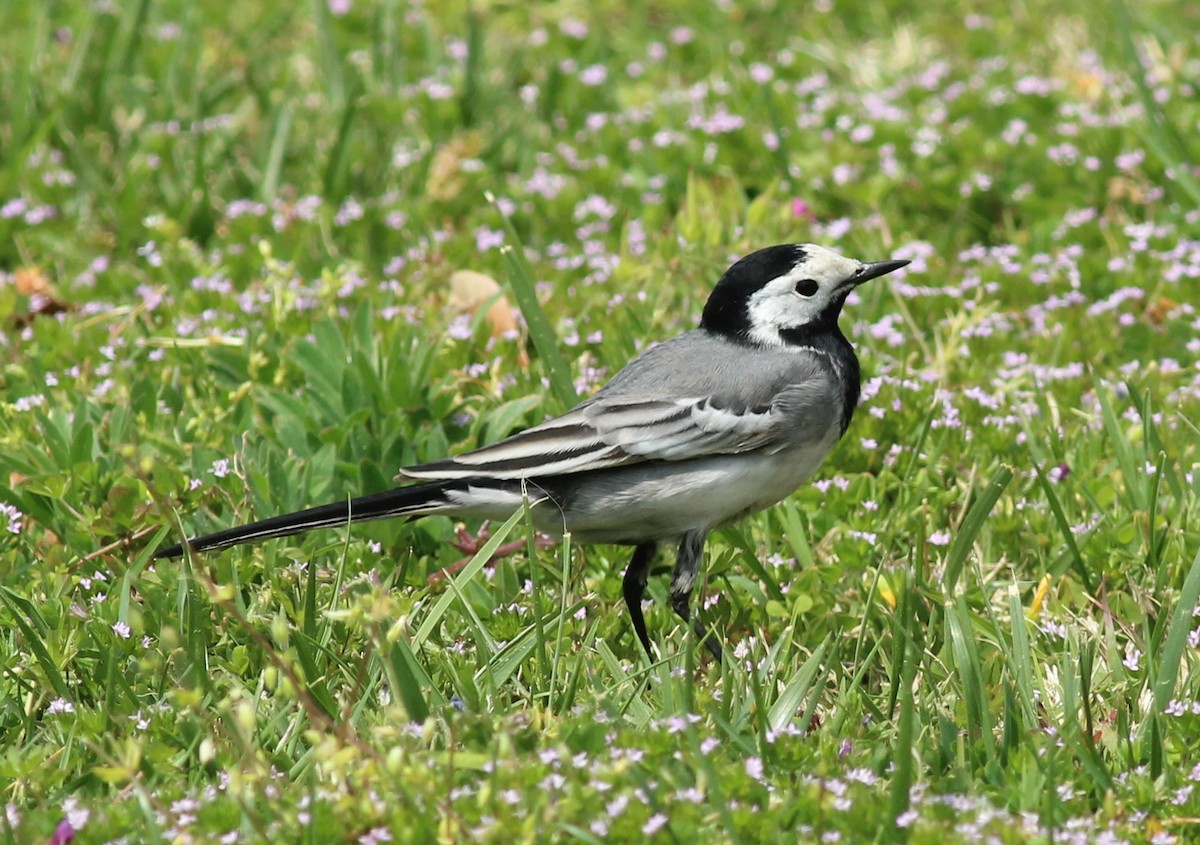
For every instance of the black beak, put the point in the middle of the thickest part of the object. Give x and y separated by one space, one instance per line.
875 269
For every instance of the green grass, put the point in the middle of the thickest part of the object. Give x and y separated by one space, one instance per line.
226 235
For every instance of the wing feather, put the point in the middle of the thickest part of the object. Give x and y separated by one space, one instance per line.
769 403
609 433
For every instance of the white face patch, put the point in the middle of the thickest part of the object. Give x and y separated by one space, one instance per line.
777 305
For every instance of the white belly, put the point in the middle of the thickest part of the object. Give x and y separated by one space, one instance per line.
661 501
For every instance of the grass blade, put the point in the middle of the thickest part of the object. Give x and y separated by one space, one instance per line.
1170 656
785 707
30 629
1135 487
902 749
540 331
408 679
971 525
280 130
1160 135
462 578
1060 519
961 635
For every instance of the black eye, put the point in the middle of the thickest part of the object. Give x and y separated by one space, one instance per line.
806 287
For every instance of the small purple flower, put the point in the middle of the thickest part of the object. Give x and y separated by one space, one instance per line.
682 35
63 834
1130 160
1054 629
939 538
761 73
487 238
862 133
375 836
349 211
573 28
617 806
14 517
593 75
13 208
754 768
26 403
654 824
435 89
40 214
76 816
59 705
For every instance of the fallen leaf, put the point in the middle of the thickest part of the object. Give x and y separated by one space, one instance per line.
469 290
1158 310
31 280
41 306
446 176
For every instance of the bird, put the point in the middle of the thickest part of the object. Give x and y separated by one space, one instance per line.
696 432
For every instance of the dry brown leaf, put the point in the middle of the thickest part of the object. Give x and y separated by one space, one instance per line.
1122 188
1158 310
43 306
446 180
31 280
470 289
1086 84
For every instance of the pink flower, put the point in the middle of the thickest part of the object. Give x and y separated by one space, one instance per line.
63 834
654 824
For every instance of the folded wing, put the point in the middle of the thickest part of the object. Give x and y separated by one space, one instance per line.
606 432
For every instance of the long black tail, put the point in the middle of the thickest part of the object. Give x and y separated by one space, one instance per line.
413 500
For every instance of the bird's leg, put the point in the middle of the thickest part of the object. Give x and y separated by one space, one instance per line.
634 585
683 579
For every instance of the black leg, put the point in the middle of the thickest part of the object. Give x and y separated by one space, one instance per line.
634 586
683 579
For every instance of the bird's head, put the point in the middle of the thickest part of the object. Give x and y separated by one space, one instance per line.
781 295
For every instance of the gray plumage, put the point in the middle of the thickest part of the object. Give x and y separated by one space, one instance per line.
696 432
657 439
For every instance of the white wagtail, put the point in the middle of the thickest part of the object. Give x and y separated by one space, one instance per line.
696 432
